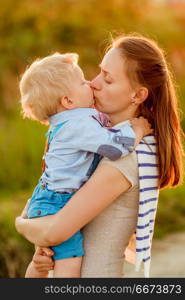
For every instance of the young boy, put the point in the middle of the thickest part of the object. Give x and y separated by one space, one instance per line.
53 90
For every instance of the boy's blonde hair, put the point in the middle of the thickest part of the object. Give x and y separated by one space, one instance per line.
44 83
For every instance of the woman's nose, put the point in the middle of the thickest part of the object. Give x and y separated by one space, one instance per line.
95 83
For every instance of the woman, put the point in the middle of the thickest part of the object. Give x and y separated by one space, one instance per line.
134 80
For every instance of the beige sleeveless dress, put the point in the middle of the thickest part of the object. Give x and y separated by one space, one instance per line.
108 235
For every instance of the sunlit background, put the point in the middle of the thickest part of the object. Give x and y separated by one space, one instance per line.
31 29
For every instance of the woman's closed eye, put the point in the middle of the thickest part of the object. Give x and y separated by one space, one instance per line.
108 81
105 76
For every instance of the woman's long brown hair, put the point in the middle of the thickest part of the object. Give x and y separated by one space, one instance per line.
146 64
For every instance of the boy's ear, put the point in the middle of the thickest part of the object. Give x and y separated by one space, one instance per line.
67 103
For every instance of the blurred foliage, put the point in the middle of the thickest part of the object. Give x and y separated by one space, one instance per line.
15 252
31 29
171 212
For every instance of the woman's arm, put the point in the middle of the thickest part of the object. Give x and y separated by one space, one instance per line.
104 186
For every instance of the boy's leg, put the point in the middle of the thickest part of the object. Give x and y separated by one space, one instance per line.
32 272
68 257
68 267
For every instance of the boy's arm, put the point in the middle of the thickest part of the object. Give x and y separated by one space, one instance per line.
89 135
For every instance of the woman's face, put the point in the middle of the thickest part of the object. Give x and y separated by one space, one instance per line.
112 89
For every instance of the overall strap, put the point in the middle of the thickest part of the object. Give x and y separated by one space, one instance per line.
50 135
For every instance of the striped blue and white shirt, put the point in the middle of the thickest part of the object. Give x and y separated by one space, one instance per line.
148 199
147 161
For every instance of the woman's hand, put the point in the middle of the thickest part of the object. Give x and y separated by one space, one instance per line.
24 212
19 224
34 229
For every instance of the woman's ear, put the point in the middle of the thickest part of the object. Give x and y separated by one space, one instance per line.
67 103
140 95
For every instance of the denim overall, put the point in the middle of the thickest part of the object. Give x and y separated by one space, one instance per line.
47 202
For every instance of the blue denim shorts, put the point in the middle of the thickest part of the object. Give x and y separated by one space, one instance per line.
45 202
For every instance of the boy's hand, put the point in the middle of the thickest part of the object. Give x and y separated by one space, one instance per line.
42 260
142 124
142 127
